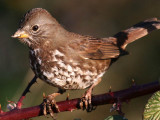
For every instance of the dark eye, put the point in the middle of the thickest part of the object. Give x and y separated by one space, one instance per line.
35 28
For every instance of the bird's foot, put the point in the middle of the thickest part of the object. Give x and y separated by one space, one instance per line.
85 102
49 104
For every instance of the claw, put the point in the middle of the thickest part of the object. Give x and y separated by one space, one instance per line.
85 102
44 109
90 108
57 108
50 111
49 104
81 104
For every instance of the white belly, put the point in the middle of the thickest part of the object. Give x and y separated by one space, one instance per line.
65 75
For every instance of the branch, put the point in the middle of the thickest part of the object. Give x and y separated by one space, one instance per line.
70 105
122 39
19 103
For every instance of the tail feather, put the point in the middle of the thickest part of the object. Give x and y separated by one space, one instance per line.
135 32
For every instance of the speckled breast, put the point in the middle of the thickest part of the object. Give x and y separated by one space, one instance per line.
65 72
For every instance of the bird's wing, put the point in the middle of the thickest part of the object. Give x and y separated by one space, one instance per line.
94 48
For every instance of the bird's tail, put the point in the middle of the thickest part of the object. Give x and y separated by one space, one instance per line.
137 31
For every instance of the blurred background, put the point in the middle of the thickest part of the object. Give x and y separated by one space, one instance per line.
99 18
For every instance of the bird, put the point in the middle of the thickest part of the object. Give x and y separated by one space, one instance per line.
63 59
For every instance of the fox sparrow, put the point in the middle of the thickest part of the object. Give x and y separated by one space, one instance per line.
64 59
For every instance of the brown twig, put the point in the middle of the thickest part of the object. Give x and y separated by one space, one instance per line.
70 105
19 103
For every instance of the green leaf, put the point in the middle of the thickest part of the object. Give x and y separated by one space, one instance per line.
115 117
152 108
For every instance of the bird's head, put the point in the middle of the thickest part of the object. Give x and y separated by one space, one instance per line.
36 27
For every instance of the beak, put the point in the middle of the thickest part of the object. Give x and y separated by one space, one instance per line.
20 34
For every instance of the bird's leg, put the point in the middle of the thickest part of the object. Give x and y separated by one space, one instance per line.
19 103
86 98
49 103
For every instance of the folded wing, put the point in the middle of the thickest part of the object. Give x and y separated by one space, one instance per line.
94 48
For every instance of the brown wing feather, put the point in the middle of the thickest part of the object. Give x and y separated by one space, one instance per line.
93 48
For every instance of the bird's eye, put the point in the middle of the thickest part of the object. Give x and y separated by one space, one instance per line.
35 28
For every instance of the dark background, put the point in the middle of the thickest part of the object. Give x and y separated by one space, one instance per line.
88 17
